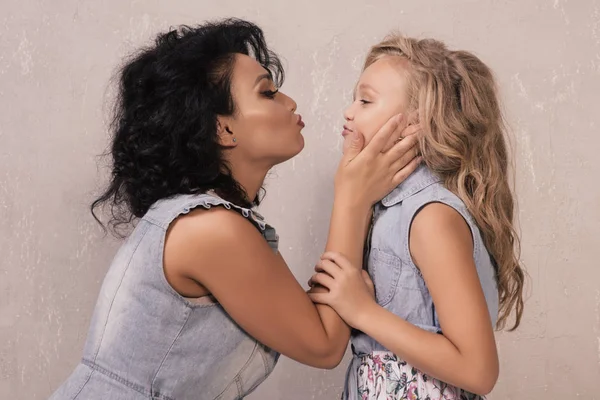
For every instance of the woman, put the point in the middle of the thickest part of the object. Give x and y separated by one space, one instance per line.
198 303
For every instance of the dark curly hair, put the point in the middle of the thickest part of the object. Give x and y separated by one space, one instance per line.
164 126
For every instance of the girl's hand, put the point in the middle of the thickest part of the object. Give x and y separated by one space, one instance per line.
365 176
350 290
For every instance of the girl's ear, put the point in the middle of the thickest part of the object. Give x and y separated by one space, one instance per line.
413 117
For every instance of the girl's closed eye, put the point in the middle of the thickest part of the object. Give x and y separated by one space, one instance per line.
365 102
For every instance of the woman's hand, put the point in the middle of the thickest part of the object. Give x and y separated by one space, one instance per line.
350 289
366 176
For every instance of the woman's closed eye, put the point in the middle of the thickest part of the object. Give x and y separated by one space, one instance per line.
270 94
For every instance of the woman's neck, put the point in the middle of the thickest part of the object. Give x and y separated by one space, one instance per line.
249 178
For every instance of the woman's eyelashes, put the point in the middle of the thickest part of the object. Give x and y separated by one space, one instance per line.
270 94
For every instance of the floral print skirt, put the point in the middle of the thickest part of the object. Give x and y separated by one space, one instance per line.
382 376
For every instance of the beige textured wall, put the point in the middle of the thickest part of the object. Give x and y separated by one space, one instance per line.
55 61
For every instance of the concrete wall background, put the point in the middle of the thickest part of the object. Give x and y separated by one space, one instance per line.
55 62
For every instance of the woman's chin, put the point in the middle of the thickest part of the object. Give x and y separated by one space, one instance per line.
292 152
300 144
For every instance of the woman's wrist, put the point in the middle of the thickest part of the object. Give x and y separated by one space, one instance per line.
347 229
356 216
352 204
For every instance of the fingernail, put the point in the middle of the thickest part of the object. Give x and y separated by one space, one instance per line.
399 117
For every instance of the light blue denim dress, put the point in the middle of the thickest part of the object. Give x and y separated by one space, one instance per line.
376 373
148 342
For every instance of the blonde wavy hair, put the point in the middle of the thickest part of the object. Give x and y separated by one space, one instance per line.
464 142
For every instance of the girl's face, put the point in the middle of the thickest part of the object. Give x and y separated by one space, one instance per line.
381 93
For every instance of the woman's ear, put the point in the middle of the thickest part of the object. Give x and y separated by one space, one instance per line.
226 135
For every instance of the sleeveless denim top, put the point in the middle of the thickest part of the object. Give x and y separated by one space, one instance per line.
399 286
148 342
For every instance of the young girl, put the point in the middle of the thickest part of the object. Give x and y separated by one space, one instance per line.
441 249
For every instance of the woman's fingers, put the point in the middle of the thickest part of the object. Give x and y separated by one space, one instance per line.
384 135
401 148
405 172
404 160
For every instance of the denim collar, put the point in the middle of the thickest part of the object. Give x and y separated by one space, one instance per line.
421 178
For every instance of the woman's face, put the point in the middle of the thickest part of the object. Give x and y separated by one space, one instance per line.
381 92
265 126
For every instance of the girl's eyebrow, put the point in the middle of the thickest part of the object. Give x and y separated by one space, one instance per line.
364 86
